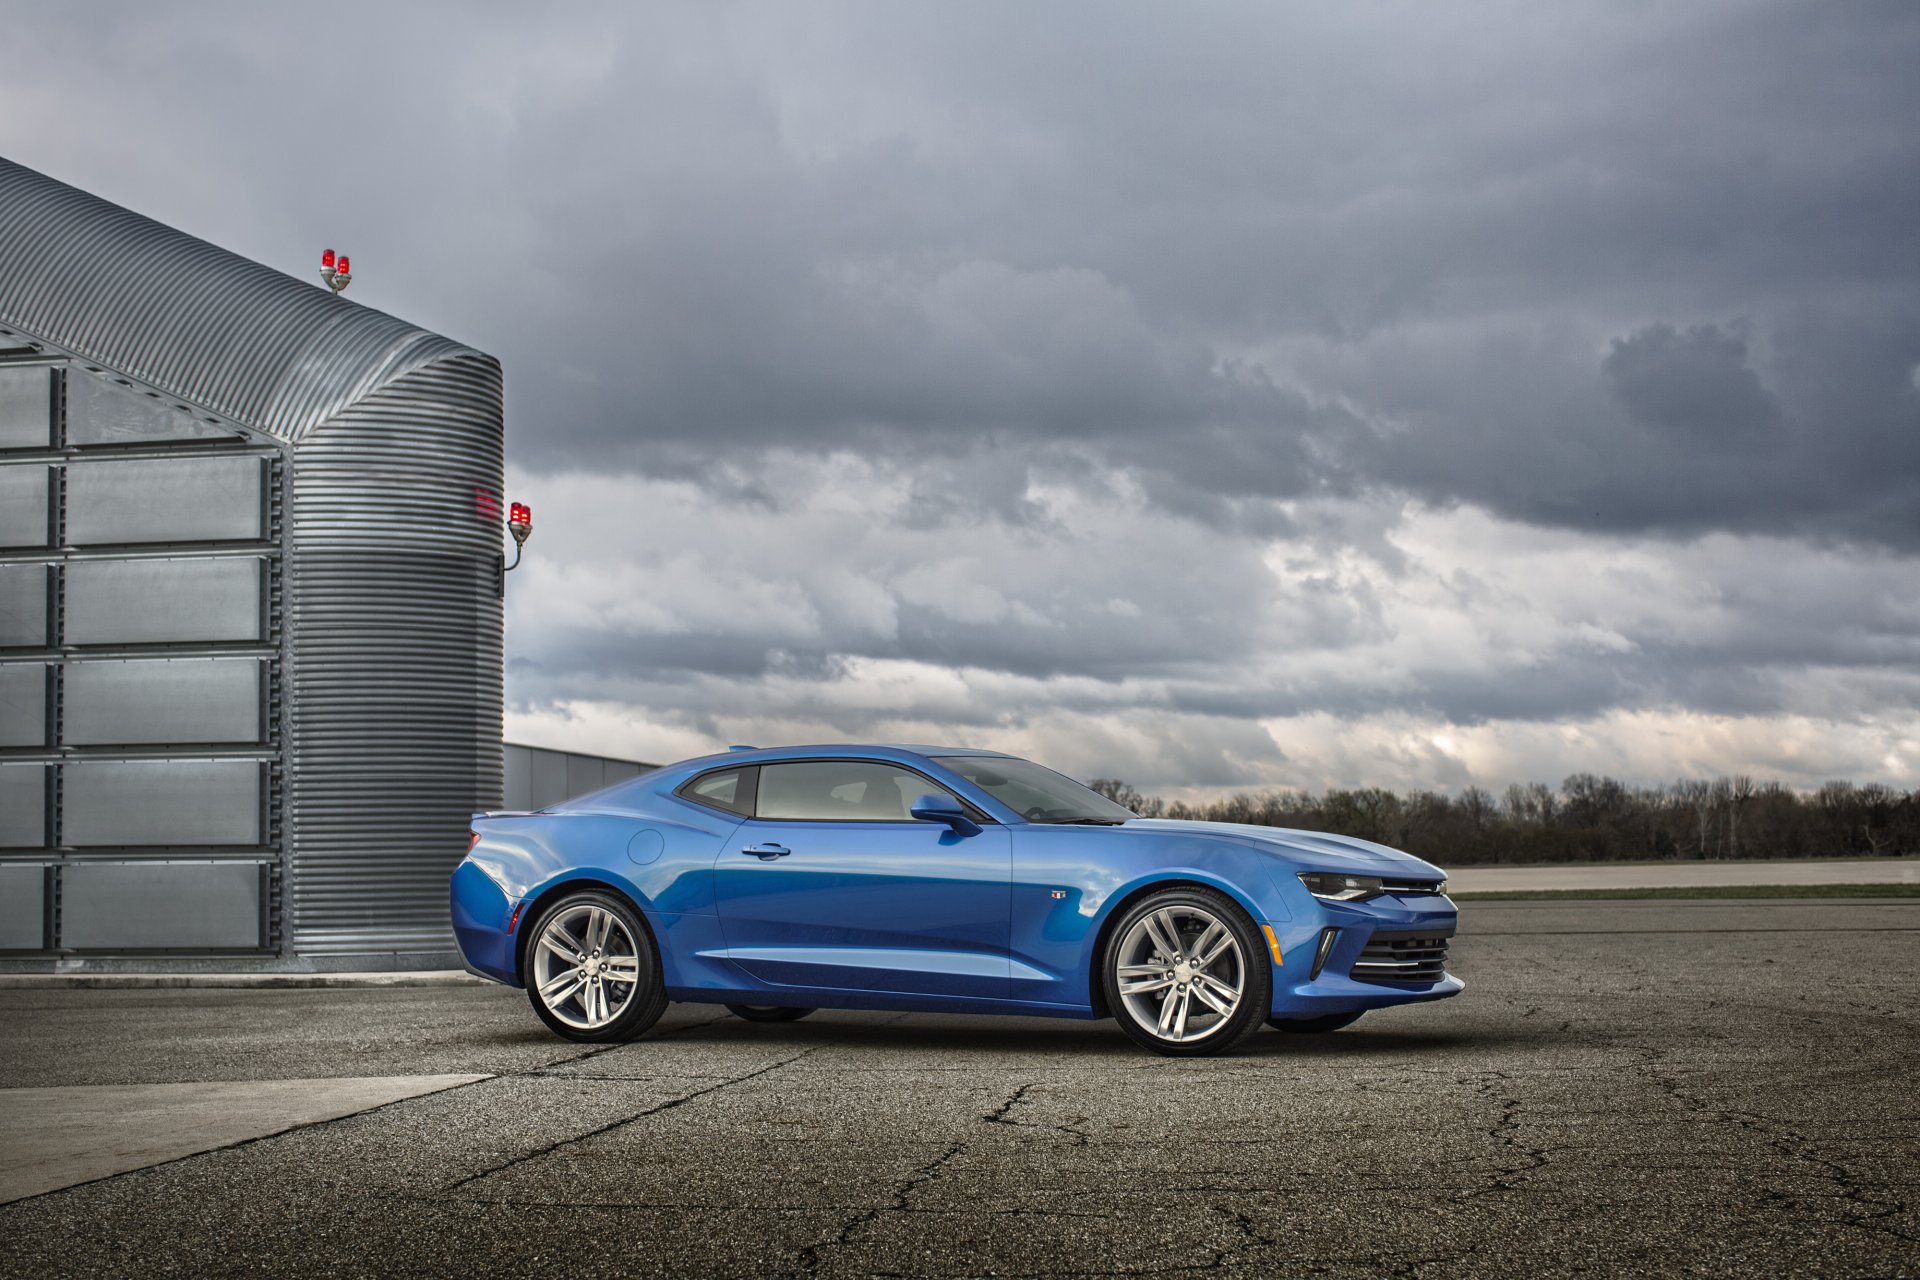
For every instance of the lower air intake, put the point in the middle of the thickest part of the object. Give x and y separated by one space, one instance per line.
1402 957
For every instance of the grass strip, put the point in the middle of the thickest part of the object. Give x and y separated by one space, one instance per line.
1694 891
1891 863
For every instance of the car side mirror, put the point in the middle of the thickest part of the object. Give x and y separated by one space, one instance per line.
931 808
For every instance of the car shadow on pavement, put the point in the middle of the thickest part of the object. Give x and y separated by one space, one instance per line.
950 1036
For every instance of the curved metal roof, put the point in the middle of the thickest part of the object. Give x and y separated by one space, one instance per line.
188 319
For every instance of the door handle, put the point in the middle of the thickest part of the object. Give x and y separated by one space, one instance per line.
766 852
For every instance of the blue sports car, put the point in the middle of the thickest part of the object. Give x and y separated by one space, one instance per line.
777 882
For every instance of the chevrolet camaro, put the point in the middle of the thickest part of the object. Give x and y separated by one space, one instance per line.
777 882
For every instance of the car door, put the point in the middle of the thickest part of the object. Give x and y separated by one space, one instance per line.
832 884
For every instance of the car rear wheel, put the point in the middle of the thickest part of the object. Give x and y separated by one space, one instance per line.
1326 1022
592 972
767 1012
1186 973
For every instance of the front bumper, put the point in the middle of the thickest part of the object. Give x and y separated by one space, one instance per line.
1310 983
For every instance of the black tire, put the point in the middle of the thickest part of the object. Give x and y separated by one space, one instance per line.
767 1012
1314 1026
632 1006
1253 967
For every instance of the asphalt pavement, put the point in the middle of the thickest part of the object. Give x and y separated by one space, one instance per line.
1696 1087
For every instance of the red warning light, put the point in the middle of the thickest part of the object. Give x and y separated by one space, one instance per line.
520 525
335 272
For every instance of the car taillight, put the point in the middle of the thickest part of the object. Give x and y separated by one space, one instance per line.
473 838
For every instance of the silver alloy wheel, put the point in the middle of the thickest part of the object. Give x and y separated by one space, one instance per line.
585 968
1180 973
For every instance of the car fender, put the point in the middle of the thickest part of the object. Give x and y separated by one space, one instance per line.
664 867
1159 877
527 855
1069 880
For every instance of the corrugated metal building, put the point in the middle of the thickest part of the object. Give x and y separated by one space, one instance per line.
250 620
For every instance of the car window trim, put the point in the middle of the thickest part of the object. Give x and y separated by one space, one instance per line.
971 809
747 793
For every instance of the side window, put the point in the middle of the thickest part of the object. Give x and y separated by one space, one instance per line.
840 790
728 789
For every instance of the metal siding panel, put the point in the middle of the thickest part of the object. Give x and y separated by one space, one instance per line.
23 605
139 803
149 601
23 504
548 779
123 906
23 908
517 765
23 704
99 412
618 771
178 700
394 699
23 806
207 327
163 499
584 774
26 408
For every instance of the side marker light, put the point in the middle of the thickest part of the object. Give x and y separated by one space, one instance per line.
1273 944
514 920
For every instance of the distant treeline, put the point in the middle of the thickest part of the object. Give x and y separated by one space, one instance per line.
1586 819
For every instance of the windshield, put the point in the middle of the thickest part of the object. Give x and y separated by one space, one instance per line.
1036 793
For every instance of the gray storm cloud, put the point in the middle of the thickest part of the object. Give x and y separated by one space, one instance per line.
1232 380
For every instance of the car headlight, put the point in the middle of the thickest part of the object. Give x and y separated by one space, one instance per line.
1335 887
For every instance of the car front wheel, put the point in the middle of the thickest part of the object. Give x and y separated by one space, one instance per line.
1186 973
591 970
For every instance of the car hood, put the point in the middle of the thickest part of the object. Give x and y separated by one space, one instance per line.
1313 850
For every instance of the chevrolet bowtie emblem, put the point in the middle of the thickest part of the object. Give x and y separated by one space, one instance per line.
1059 893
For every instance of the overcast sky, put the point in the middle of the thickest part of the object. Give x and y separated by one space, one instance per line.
1216 396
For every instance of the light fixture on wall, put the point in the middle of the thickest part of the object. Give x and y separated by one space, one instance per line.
520 525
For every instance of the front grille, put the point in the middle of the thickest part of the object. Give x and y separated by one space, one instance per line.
1402 957
1412 888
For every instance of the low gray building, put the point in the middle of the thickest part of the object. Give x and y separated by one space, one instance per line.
539 776
250 614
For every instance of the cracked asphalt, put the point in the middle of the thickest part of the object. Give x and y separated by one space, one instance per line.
1697 1088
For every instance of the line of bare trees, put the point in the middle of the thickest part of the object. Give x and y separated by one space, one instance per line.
1587 818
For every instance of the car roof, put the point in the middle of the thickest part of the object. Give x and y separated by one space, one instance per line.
829 751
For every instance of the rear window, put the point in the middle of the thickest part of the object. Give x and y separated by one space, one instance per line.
729 790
